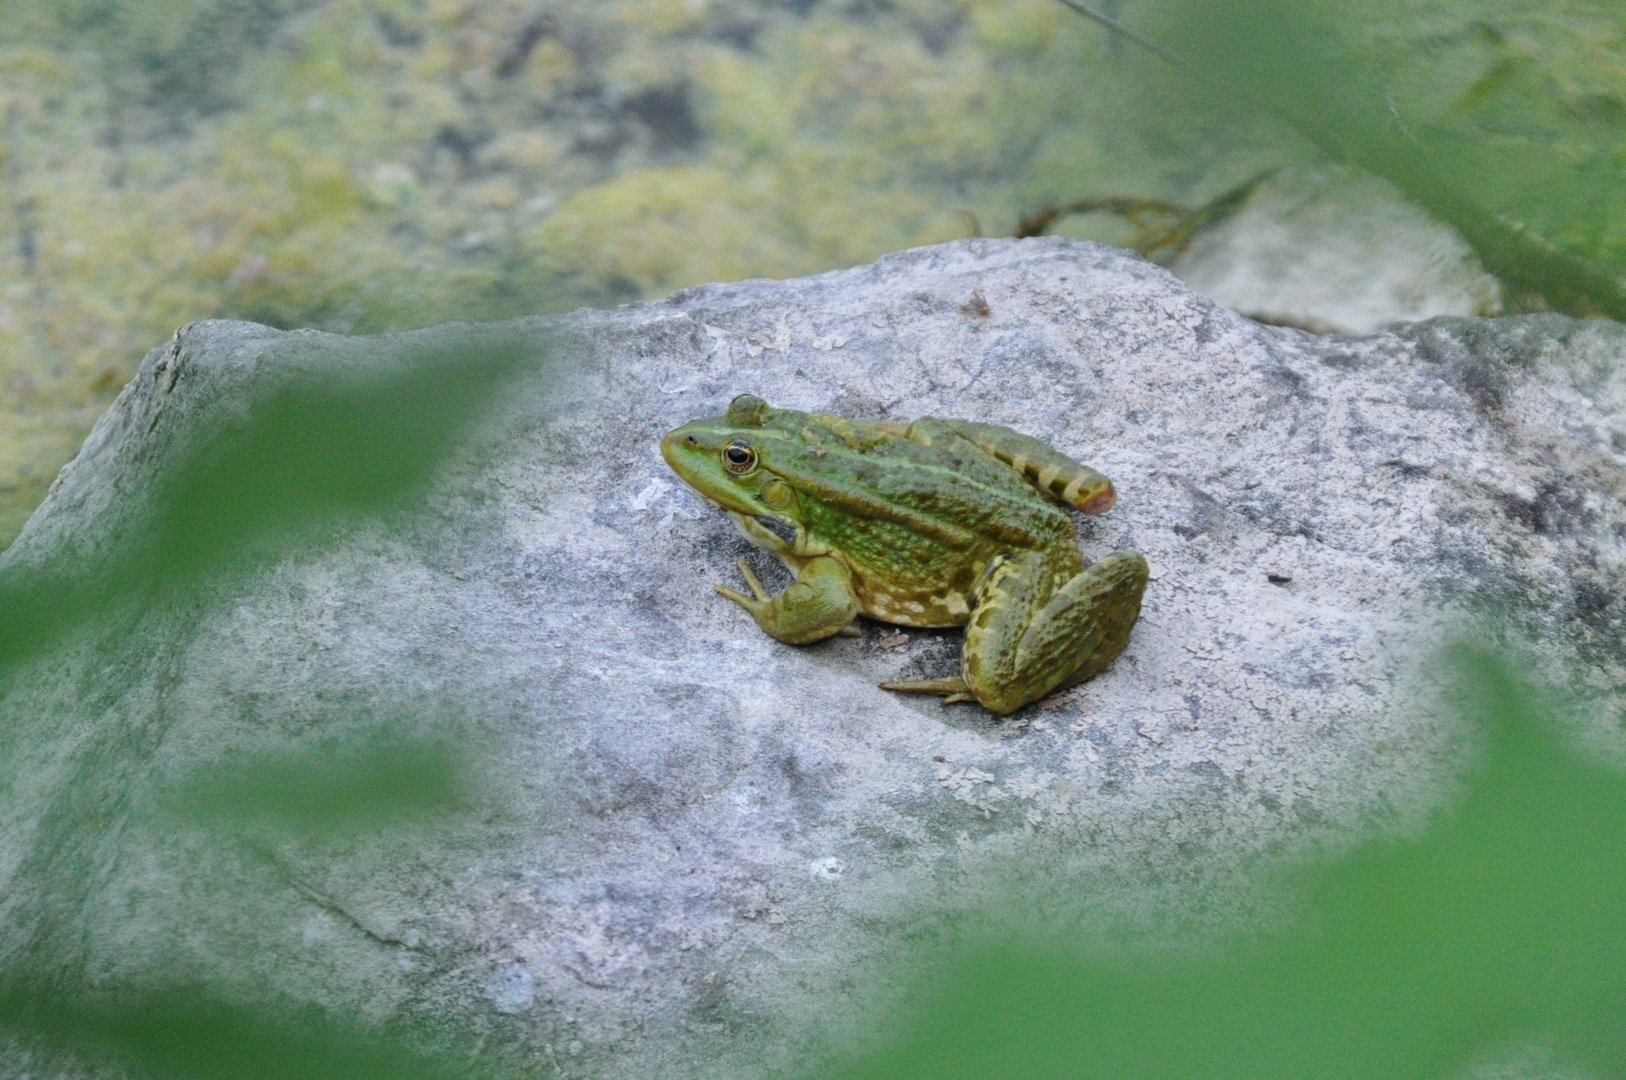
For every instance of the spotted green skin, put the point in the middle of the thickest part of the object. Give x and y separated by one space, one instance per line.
937 523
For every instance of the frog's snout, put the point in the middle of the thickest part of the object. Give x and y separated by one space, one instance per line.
673 445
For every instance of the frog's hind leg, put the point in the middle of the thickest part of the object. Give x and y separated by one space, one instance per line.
1105 598
1027 638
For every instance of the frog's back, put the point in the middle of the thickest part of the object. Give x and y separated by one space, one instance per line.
915 523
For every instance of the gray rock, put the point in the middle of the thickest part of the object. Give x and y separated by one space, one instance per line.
694 848
1336 250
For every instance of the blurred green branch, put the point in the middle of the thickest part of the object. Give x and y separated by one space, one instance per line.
1161 227
320 441
1299 64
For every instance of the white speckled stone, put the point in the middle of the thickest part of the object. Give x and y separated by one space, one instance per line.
696 841
1335 249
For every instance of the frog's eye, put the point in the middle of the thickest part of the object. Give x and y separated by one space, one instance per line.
738 458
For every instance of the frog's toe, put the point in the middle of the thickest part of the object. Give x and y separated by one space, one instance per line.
817 604
952 686
751 580
749 603
756 601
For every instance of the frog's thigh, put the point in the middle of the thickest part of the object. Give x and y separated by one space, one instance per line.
1089 618
1022 644
818 604
1011 595
930 431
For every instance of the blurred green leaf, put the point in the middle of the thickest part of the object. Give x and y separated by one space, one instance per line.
1504 922
1526 158
190 1034
335 442
320 441
330 789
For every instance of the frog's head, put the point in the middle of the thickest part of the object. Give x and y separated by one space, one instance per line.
724 458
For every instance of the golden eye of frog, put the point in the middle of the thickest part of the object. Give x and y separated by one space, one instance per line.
934 523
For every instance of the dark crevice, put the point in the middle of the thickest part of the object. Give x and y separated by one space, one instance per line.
668 114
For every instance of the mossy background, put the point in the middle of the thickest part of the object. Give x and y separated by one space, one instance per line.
363 165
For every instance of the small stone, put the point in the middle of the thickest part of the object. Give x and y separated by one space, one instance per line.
512 989
827 869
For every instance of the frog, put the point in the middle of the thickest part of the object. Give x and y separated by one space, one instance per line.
930 523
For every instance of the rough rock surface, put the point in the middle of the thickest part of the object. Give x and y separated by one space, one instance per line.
698 840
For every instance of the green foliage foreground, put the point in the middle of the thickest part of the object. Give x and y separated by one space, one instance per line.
1502 925
304 456
1505 122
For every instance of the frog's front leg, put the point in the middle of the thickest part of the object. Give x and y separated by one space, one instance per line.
818 604
1029 635
793 553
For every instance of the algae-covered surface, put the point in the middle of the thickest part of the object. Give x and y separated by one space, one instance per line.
360 165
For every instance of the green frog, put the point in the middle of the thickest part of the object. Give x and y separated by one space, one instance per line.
934 523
